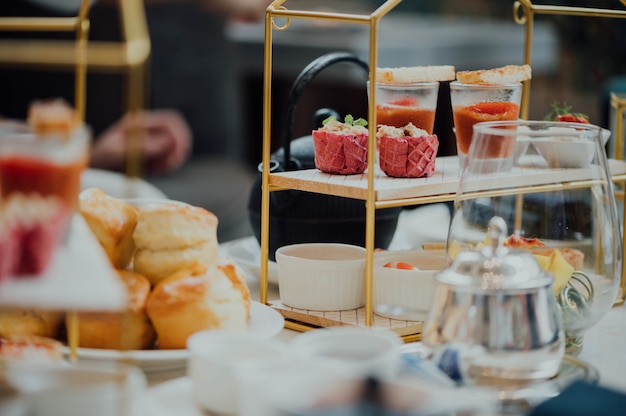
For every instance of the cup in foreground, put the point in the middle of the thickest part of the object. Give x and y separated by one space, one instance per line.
475 103
353 351
215 358
105 389
321 276
315 390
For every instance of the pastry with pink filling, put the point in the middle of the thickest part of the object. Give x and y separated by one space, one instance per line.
32 228
341 148
407 152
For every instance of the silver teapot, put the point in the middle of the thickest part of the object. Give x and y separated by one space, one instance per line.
495 318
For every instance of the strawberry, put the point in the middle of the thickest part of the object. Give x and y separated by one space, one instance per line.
400 265
565 114
573 118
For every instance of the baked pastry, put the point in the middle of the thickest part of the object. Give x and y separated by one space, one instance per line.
414 74
51 117
237 277
407 152
30 322
171 236
341 148
198 298
32 229
510 74
128 330
112 221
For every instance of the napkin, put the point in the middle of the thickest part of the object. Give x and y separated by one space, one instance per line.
583 399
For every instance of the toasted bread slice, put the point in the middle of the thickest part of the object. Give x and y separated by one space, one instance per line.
409 75
510 74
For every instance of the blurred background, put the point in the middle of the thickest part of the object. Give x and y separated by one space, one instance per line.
207 63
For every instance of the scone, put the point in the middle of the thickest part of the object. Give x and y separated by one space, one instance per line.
30 322
128 330
112 221
171 236
196 299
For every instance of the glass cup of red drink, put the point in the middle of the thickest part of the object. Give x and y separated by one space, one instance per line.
475 103
50 165
400 104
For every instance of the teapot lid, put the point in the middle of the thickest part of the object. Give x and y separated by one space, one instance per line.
494 266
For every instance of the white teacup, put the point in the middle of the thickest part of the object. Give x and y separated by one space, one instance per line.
85 389
353 351
216 356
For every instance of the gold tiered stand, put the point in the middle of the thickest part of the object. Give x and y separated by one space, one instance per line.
129 57
524 12
275 11
376 190
80 55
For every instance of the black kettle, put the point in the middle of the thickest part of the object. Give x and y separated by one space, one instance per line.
306 217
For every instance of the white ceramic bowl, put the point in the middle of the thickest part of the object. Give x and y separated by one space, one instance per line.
406 294
568 151
352 351
321 276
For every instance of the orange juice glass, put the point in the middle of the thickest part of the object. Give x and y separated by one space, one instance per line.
475 103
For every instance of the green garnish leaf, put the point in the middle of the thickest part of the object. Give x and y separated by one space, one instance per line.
360 122
328 119
557 111
349 120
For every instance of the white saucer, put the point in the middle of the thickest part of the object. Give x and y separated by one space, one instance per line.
265 322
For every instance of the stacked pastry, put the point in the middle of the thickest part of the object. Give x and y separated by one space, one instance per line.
167 254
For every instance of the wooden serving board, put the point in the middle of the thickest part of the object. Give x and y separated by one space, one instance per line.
351 317
444 181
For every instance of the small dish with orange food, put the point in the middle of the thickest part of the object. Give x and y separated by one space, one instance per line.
404 283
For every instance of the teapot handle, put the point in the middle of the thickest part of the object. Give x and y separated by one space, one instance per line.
301 83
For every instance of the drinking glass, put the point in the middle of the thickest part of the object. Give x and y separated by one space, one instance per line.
400 104
552 186
50 165
475 103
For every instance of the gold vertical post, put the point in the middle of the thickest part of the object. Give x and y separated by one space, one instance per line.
618 106
276 9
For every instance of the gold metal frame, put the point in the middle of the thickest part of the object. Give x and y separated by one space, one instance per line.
129 57
277 10
524 12
618 104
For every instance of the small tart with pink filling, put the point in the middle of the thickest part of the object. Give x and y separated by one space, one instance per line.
407 152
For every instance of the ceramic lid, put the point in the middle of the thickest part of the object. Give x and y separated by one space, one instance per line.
494 266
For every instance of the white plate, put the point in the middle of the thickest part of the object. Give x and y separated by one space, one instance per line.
118 185
265 322
246 253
